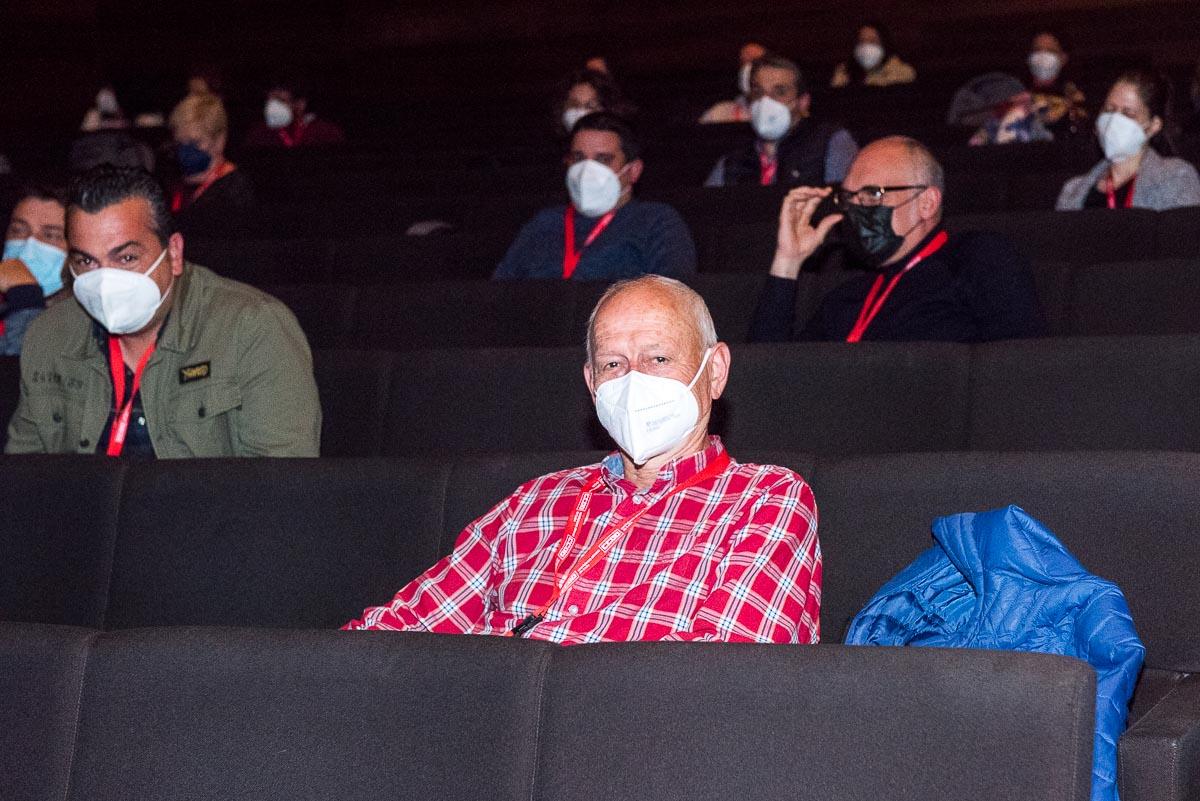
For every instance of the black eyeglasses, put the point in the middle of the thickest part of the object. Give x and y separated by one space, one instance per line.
869 195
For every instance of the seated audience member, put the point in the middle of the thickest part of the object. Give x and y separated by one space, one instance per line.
666 539
1058 101
588 91
926 284
158 357
287 121
789 146
106 114
31 273
738 109
214 197
604 233
1002 109
1133 174
874 62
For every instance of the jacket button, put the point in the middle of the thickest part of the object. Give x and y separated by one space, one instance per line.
85 443
57 417
201 411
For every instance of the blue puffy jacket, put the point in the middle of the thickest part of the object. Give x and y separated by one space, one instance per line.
1000 580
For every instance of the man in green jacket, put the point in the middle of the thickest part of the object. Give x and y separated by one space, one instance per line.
155 356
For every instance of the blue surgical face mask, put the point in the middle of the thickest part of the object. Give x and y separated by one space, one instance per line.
192 160
44 261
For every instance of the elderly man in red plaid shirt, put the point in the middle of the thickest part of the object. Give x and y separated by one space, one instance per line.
666 539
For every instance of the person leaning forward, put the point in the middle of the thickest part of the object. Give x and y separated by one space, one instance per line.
155 356
666 539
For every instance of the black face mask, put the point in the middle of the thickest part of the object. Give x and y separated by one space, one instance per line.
869 234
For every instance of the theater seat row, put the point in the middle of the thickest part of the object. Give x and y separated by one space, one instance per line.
1106 298
724 245
309 543
280 716
1071 393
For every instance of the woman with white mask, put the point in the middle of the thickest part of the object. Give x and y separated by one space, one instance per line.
587 91
873 62
1133 174
1057 100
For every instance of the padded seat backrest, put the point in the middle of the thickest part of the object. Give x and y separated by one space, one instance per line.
265 261
666 721
476 314
277 716
57 540
354 387
1078 236
485 400
1178 233
42 669
325 311
833 399
1084 393
1128 517
1139 297
281 543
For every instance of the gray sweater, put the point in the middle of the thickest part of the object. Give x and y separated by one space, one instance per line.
1162 183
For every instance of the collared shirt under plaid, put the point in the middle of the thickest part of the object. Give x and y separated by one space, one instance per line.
733 558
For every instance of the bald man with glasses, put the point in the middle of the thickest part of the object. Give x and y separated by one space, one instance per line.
923 283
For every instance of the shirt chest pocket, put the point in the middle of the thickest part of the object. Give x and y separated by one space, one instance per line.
203 417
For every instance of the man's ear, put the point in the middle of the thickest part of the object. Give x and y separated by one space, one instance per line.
803 105
633 171
929 203
175 252
718 370
1156 126
587 379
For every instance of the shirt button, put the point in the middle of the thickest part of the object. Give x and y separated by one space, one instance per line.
573 609
637 498
141 421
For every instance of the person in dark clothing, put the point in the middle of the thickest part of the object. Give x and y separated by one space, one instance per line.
790 148
31 270
287 122
928 284
604 233
213 198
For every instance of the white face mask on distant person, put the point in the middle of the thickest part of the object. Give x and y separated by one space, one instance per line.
571 116
106 103
277 113
1044 65
647 415
122 301
869 55
594 188
770 119
744 77
1120 136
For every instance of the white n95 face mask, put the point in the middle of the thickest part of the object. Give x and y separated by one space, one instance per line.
1044 65
120 300
277 113
44 261
594 188
868 55
571 116
647 415
1120 136
770 118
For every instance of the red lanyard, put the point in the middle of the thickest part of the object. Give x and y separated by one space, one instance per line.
571 256
177 199
288 139
120 424
1112 192
601 547
767 168
875 298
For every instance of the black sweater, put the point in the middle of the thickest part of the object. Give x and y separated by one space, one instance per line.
976 288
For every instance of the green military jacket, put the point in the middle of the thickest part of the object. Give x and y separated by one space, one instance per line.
231 376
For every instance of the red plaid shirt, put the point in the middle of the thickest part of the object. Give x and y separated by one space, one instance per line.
734 558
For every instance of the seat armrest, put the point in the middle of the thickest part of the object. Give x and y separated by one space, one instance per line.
1159 756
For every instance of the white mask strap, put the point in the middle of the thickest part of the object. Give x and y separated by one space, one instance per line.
703 362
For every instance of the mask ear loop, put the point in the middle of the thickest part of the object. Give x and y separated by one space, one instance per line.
700 370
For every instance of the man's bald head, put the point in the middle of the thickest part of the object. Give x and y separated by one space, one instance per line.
688 309
925 168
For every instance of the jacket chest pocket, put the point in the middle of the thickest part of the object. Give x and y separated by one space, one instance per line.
50 413
203 418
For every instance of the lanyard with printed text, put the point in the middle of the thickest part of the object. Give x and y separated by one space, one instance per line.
601 547
1111 188
571 256
875 298
120 424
